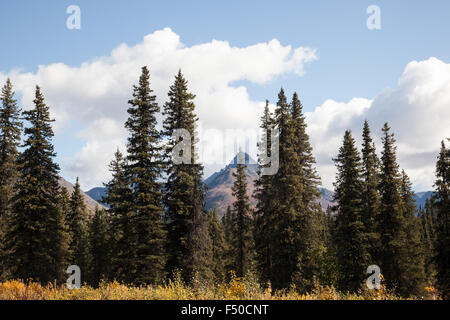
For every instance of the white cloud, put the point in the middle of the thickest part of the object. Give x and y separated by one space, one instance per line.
95 94
418 111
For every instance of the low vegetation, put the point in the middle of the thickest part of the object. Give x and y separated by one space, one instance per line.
236 289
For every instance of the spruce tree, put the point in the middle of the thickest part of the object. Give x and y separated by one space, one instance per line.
242 245
263 211
119 199
100 245
187 223
10 129
144 169
218 246
391 217
64 204
37 243
412 256
350 234
370 194
330 272
310 178
394 223
286 203
311 219
229 233
428 237
77 222
442 187
290 226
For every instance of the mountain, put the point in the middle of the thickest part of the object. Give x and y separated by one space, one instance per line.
91 204
97 193
326 198
219 195
219 184
218 187
218 192
421 197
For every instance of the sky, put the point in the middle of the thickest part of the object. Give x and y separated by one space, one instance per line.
235 54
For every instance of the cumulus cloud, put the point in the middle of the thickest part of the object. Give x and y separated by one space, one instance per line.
418 111
95 93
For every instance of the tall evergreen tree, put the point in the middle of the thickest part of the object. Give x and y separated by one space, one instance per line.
243 245
188 239
263 211
77 222
310 178
100 245
119 199
311 219
10 129
290 226
412 257
351 234
394 223
144 169
370 194
286 202
391 217
442 186
37 241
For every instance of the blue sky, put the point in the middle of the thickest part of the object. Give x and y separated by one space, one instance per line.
352 61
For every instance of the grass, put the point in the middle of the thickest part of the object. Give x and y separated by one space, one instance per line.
235 289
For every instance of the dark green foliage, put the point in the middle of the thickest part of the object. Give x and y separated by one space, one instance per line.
242 224
119 199
281 219
229 232
188 239
144 165
289 222
370 194
313 260
391 217
36 240
64 204
350 235
395 226
10 129
330 269
442 186
77 221
428 237
411 259
100 245
262 212
199 260
218 246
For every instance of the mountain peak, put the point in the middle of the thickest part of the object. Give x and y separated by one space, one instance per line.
241 158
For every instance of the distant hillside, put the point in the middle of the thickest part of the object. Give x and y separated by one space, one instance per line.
219 184
97 194
421 197
91 203
219 195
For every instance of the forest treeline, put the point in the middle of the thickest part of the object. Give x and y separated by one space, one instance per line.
156 227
